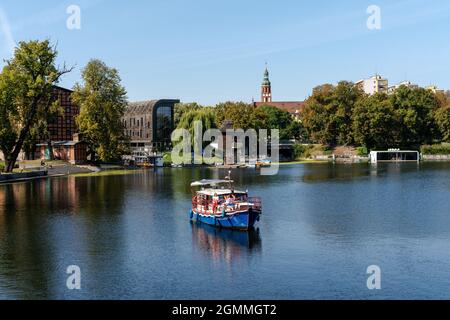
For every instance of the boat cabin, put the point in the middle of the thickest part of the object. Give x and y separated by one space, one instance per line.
218 197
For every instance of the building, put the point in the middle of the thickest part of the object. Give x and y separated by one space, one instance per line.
407 84
149 124
66 143
73 151
63 127
266 88
375 84
435 89
295 108
62 130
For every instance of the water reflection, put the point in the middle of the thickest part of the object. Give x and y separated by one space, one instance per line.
223 244
131 236
346 172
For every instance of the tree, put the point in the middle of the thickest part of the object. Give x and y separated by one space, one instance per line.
415 109
8 117
296 131
102 101
345 96
442 118
26 83
242 115
206 115
375 122
328 112
275 118
183 108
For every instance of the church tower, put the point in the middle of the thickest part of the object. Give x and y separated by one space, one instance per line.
266 88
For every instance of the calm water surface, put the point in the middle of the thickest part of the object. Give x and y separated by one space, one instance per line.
322 226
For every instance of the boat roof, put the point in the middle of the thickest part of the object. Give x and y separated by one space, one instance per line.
219 192
209 182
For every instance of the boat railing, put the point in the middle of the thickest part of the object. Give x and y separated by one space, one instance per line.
208 207
202 206
255 202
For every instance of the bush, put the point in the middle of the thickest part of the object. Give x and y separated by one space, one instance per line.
167 159
443 148
2 167
362 151
307 151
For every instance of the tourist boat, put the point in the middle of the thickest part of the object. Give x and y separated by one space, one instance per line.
218 204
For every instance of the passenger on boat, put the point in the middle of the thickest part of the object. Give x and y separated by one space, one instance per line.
229 201
215 203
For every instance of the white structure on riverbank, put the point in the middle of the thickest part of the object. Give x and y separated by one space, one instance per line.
394 155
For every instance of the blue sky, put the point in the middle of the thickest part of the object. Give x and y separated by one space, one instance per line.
212 51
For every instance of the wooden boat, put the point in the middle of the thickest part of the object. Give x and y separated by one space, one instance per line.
218 204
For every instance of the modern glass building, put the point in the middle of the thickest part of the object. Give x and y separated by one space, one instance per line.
149 124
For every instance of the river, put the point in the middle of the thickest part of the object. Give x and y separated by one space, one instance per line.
322 226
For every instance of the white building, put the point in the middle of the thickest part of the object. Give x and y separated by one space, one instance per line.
375 84
435 89
407 84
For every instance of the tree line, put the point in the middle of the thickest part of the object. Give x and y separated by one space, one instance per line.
407 118
242 116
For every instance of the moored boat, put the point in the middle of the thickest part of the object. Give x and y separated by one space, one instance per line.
218 204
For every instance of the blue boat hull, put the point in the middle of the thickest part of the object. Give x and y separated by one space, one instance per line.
240 221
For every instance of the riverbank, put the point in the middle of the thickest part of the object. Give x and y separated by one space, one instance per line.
304 161
115 172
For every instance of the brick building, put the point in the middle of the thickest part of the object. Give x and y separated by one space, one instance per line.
63 127
66 142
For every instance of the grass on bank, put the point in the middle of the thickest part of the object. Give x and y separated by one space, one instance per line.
305 161
118 172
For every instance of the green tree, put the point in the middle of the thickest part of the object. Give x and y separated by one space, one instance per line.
345 96
243 115
102 100
415 109
442 118
182 108
328 112
206 115
296 131
375 122
26 84
275 118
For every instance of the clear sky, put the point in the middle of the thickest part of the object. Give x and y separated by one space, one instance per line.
215 50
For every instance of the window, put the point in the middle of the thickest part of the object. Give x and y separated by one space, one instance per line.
163 123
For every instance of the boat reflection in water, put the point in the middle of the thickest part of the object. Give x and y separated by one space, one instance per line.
225 244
